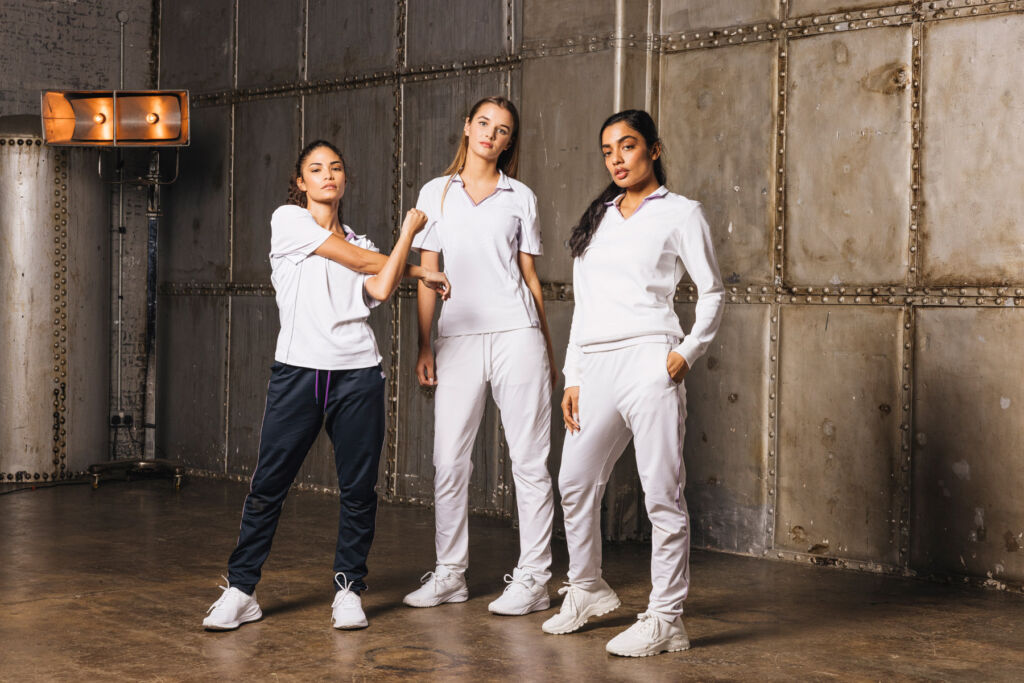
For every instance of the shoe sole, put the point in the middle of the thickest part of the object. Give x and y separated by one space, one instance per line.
672 646
459 596
598 609
536 606
351 627
234 624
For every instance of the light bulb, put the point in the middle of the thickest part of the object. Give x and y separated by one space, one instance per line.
152 118
99 119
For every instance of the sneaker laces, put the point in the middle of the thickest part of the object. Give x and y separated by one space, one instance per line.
344 589
223 596
647 625
433 576
512 580
570 590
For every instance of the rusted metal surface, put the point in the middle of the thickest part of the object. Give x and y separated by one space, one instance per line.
800 8
559 19
271 38
254 325
197 45
847 208
444 31
973 123
839 437
968 438
716 121
693 15
351 37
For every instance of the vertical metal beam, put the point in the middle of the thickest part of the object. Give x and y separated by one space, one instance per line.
60 316
619 49
916 136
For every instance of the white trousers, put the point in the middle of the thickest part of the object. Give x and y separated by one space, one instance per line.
625 393
516 365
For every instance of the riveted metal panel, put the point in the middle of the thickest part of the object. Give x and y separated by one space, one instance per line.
839 423
442 31
266 144
726 432
716 120
848 158
360 122
688 15
270 36
799 8
968 441
194 233
192 338
552 19
561 146
254 328
433 119
973 137
351 37
197 46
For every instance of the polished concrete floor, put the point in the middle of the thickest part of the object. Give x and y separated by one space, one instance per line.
113 584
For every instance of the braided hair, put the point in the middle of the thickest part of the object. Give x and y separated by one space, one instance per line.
297 196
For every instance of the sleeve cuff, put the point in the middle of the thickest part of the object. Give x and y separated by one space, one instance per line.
690 351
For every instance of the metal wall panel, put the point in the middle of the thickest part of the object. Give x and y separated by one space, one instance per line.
442 31
968 439
197 45
254 328
559 19
839 431
973 136
716 120
266 145
270 34
799 8
562 161
433 116
848 158
194 232
726 433
361 123
192 342
690 15
351 37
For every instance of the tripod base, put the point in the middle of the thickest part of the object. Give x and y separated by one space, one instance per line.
126 468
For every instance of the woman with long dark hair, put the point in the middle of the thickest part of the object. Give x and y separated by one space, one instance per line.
484 222
626 360
326 370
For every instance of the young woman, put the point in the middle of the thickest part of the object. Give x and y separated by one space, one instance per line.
624 368
327 368
484 223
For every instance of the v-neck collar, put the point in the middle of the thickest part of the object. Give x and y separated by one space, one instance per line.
657 194
503 184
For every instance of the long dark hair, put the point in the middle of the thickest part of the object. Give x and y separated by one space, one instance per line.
297 196
508 160
583 231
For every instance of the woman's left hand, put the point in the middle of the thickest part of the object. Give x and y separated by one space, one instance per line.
438 282
676 366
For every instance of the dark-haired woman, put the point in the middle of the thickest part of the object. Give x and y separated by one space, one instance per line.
484 222
624 367
327 369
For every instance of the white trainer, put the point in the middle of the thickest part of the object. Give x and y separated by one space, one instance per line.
232 609
579 605
650 635
347 608
522 595
439 586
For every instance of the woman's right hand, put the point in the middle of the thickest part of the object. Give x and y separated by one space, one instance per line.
425 368
571 409
414 221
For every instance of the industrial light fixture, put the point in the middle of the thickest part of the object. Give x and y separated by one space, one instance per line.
116 118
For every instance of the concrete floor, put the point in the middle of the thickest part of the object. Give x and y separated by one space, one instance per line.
113 584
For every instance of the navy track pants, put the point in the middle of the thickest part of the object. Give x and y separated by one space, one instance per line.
299 402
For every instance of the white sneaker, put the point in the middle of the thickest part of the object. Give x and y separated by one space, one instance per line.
439 586
347 606
232 609
522 595
579 605
650 635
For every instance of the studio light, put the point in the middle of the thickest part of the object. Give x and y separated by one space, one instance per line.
116 118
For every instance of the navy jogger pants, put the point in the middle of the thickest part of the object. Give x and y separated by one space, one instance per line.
299 402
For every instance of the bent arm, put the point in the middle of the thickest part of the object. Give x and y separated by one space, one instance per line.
698 257
361 260
426 299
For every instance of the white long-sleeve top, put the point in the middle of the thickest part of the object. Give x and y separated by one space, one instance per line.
625 281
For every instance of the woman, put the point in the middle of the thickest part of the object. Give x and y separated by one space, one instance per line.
484 223
327 368
625 363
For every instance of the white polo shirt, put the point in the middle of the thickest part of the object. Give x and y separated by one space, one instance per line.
481 244
624 283
323 305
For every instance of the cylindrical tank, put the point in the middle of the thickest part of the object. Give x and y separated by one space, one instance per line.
55 312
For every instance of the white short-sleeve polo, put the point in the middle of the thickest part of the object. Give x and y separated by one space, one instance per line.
480 244
624 283
323 305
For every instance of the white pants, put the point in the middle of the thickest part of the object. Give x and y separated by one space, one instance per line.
516 364
625 393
